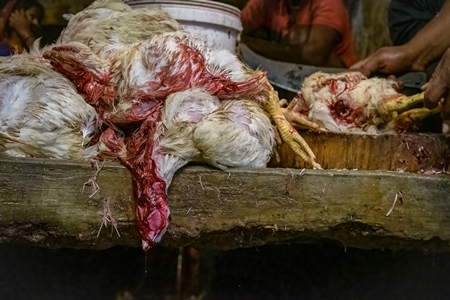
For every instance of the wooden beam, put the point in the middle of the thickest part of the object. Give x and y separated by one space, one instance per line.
41 203
411 152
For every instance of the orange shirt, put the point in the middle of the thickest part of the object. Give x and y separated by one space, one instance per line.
273 15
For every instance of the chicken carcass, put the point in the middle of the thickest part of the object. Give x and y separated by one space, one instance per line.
41 113
92 27
193 129
191 111
352 103
166 101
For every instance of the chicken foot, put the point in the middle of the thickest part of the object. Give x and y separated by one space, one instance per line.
399 103
297 120
410 118
288 133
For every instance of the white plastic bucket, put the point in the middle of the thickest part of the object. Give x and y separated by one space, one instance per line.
219 24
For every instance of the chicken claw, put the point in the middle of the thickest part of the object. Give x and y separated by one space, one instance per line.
410 118
288 133
296 119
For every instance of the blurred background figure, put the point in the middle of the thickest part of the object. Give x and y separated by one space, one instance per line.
310 32
20 25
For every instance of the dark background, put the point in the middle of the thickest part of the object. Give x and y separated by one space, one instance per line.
308 271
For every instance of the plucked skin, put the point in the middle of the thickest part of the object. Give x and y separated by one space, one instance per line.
41 113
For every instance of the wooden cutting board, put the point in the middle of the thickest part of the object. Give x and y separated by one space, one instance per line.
414 152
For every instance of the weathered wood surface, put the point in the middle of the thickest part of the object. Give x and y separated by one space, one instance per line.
41 203
414 152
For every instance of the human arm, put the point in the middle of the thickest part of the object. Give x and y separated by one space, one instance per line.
438 86
427 46
310 45
319 28
20 23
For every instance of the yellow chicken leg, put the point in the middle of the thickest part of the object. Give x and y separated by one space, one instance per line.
399 103
296 119
288 133
409 118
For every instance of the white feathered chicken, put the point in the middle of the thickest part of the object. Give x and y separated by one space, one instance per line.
160 102
349 102
113 24
165 99
41 113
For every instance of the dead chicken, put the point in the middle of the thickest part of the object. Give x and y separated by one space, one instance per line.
41 113
168 100
205 115
192 128
109 25
352 103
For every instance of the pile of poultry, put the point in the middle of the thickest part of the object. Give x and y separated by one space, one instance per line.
132 86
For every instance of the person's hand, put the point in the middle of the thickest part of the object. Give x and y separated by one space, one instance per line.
19 21
438 86
387 60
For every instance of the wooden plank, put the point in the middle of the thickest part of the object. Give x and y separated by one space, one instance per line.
41 204
413 152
